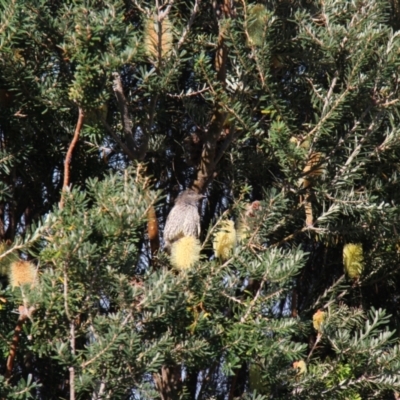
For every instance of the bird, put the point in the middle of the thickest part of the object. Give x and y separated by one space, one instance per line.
183 219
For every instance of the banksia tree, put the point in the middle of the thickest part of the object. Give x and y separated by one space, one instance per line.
111 111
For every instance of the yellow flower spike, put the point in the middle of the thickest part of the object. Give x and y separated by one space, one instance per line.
256 24
225 240
300 366
21 273
353 260
318 319
185 252
158 43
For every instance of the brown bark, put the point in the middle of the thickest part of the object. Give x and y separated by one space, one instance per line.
68 157
238 381
24 315
14 346
209 156
295 297
168 382
312 169
123 107
135 149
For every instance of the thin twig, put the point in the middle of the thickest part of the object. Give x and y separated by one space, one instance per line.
189 94
122 103
140 8
234 299
71 369
111 342
357 149
98 395
319 335
214 227
330 92
123 146
315 91
164 14
189 24
68 157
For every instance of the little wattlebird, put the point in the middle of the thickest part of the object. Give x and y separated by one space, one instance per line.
183 219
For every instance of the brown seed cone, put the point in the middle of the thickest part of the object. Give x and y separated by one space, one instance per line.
158 38
312 169
152 230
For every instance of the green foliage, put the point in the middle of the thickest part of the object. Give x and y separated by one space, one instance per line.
251 93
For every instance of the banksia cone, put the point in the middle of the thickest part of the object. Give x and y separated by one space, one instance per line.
185 252
318 318
152 230
21 273
353 260
158 37
225 240
256 24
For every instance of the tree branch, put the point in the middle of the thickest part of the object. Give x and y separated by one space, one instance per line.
208 161
123 108
24 315
134 150
189 24
121 144
68 157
